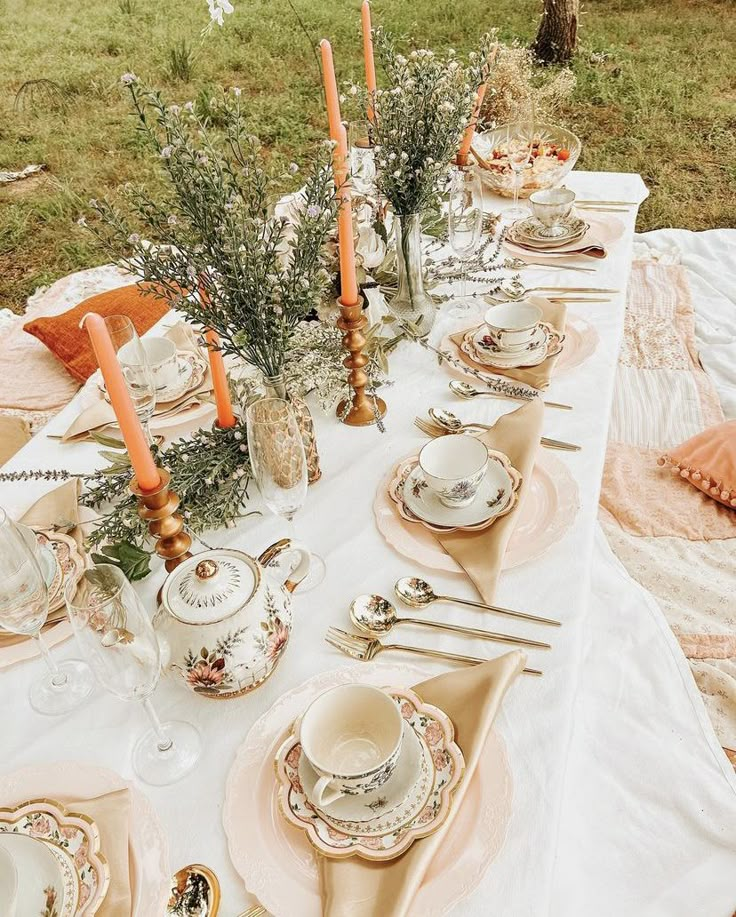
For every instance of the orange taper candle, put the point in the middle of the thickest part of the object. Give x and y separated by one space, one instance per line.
225 416
462 156
346 243
331 95
370 66
144 467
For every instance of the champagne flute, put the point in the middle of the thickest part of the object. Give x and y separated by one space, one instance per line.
24 607
113 630
362 158
136 368
279 465
465 223
519 154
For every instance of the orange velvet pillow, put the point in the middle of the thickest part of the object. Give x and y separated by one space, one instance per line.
70 343
708 462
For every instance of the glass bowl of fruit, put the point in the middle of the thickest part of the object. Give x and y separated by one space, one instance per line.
552 154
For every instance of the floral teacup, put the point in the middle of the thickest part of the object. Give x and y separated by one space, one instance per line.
453 467
351 735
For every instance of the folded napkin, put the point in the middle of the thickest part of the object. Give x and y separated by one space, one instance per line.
99 415
111 814
57 509
14 434
480 554
471 698
554 313
588 245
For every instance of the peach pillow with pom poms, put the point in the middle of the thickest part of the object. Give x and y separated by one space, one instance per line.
708 462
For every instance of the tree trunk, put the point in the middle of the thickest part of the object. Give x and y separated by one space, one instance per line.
558 31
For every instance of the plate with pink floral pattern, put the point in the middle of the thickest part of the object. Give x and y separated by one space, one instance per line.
447 765
77 835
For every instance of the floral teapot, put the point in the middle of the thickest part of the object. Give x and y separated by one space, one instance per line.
225 619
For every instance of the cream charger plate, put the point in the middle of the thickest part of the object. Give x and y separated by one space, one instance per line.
603 231
581 341
148 845
278 864
544 517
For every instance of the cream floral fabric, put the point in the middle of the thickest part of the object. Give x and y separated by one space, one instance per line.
677 543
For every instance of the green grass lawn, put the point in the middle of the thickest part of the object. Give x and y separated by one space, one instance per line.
656 94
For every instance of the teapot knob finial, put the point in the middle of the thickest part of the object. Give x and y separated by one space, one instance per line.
206 569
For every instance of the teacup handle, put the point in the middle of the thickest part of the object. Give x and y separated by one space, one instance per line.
323 794
302 568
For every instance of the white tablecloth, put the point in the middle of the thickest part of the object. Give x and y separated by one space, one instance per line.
337 522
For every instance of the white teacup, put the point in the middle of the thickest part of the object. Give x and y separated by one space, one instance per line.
351 735
551 207
511 325
453 467
161 358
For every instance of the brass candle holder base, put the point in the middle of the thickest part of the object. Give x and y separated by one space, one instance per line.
362 410
159 509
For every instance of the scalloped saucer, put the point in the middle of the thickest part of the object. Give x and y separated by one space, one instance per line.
496 497
45 882
391 805
436 732
49 821
478 346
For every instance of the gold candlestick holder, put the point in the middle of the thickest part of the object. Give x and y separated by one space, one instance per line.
159 509
362 410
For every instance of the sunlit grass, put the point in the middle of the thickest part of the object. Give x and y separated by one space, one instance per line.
656 94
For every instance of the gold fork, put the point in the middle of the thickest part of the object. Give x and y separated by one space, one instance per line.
255 911
434 430
366 648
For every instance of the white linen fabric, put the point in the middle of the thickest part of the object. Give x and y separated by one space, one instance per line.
538 715
710 261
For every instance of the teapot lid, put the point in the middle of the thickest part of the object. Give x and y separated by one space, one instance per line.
211 586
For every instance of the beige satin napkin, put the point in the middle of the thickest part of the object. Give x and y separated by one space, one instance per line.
539 377
480 554
58 508
471 697
592 249
100 414
14 434
111 814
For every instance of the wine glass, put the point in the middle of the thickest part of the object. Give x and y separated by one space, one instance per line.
519 154
115 634
279 465
465 223
136 368
362 158
24 607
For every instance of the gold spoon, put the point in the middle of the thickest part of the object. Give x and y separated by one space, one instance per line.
376 616
195 892
419 594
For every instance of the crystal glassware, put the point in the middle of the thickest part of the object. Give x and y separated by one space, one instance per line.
24 607
136 369
279 466
114 632
519 155
362 158
465 223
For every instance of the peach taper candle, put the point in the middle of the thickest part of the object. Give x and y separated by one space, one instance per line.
225 416
144 467
370 65
332 96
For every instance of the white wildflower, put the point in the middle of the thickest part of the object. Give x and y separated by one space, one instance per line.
82 221
218 9
293 168
134 238
166 152
127 79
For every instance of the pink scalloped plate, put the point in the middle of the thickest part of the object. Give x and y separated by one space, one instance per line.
71 782
277 862
581 340
604 230
544 517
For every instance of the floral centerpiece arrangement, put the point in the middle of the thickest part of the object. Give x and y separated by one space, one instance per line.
420 117
212 244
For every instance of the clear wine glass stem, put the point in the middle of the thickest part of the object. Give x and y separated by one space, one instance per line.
164 742
517 176
145 423
464 281
58 679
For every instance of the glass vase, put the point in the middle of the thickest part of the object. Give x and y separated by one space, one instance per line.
276 388
412 303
